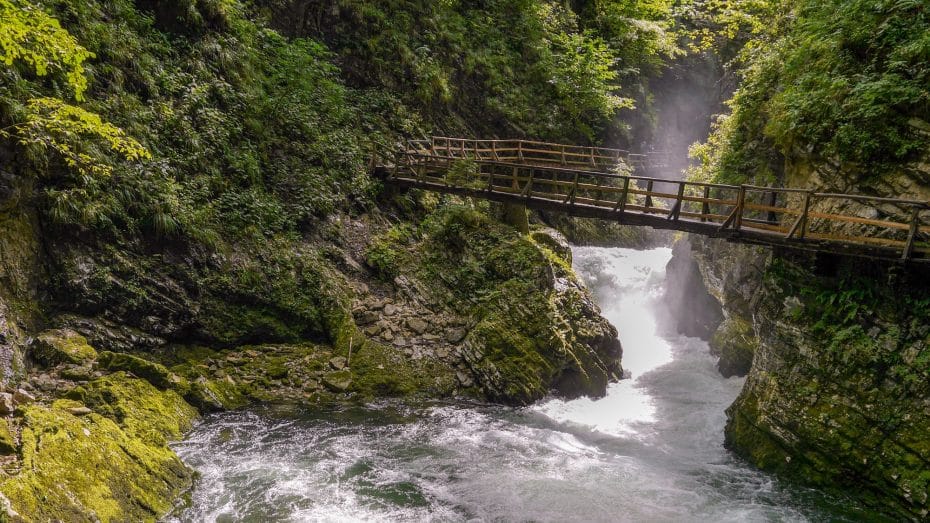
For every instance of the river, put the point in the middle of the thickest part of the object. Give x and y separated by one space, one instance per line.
651 450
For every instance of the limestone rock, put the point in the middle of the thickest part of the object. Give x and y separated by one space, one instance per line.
455 335
61 346
735 343
23 397
338 363
417 325
155 373
6 403
554 241
691 308
338 381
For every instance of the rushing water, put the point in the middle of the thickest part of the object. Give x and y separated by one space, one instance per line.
651 450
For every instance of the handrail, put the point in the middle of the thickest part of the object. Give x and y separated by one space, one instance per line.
527 151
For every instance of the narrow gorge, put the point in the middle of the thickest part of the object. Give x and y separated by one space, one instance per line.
215 307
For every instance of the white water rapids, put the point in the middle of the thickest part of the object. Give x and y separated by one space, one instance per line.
651 450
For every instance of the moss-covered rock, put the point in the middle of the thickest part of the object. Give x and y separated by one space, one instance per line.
840 383
61 346
734 342
554 241
7 443
154 373
110 465
535 328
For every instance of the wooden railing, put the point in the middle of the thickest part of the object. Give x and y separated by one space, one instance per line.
842 223
528 152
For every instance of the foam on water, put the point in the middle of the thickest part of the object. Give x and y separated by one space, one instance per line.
651 450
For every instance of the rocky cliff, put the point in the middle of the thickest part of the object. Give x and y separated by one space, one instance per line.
112 350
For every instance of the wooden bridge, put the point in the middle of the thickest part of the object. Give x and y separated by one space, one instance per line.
597 182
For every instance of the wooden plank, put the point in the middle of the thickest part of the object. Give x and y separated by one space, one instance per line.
855 239
764 226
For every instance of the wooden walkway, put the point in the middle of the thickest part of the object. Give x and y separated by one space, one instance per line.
583 181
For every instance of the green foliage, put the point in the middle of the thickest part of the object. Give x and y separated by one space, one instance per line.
386 252
464 173
32 37
66 129
517 67
840 83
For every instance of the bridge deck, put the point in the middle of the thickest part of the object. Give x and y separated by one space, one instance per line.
548 177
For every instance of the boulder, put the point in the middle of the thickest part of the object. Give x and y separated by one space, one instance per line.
554 241
417 325
154 373
23 397
6 403
61 346
338 381
338 363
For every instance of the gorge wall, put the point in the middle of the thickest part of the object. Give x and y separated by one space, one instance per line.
832 98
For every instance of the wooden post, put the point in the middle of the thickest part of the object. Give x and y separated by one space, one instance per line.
494 151
563 155
520 150
772 218
911 234
675 212
648 194
570 197
621 203
807 207
515 213
800 225
528 190
705 205
593 159
740 203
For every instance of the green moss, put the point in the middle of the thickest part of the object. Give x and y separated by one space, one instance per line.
110 465
386 252
62 346
379 371
7 443
735 343
528 337
155 373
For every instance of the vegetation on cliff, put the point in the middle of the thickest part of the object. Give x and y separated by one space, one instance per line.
841 84
834 95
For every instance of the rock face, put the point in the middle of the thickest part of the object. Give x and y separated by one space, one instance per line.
691 308
106 463
711 292
514 320
839 392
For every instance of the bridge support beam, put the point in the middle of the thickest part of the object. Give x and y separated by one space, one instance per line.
514 214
